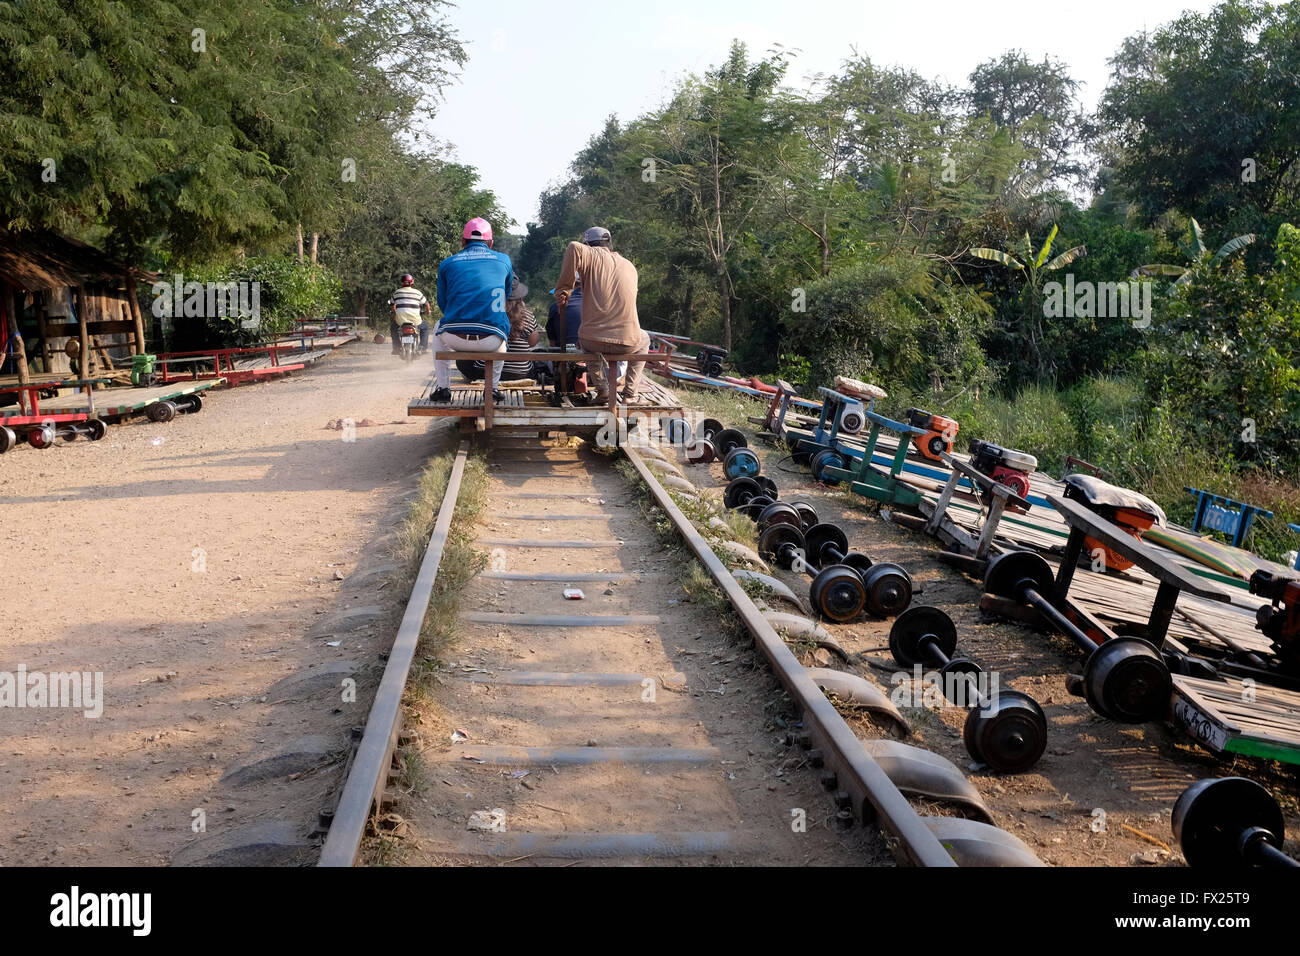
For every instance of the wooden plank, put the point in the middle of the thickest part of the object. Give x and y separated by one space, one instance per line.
133 300
110 327
84 358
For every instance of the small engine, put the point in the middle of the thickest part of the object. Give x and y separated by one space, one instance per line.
1123 507
852 417
709 360
1280 624
1006 466
940 433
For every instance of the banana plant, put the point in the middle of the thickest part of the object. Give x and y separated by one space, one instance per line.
1195 250
1034 269
1037 264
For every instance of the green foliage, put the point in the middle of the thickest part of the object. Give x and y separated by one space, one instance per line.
1036 103
891 323
1224 351
288 290
183 134
1205 119
1027 324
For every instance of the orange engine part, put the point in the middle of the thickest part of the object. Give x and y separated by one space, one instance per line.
1132 521
939 439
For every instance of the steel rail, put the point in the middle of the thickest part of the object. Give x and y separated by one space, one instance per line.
369 774
844 753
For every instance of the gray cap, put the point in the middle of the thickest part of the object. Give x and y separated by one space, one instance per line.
596 234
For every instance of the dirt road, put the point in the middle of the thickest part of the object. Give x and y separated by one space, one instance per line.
187 563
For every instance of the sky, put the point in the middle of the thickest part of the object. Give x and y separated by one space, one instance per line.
542 77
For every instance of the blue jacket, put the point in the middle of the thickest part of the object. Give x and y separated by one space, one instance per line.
473 286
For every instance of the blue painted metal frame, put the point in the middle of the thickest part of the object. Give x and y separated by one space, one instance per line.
1245 514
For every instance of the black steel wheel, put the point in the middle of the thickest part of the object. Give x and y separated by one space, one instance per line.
781 544
915 624
1211 816
727 439
739 491
1128 681
1010 732
837 594
889 589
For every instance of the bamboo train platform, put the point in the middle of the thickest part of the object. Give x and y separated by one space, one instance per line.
530 405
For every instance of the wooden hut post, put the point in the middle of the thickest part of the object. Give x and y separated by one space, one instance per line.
43 325
83 331
85 345
20 350
133 300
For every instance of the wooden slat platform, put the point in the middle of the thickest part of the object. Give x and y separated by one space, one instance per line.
310 342
1118 599
111 402
465 402
1223 717
529 406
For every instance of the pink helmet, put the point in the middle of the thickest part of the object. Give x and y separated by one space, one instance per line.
478 228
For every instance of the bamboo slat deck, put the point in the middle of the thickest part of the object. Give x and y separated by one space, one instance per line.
1232 717
311 342
1220 714
112 402
529 406
287 357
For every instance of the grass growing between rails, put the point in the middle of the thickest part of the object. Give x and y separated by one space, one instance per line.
460 561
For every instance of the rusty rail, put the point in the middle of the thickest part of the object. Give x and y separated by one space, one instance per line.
369 774
874 794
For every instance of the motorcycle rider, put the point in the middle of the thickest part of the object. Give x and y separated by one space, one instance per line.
406 305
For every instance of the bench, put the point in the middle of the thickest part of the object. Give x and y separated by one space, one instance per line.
489 359
1226 515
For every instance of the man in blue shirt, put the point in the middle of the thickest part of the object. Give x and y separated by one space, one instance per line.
572 317
473 288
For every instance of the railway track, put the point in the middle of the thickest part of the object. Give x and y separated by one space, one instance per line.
621 725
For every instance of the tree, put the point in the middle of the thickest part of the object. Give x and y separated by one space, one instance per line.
189 134
1225 351
1036 103
705 160
1033 273
1205 116
1198 253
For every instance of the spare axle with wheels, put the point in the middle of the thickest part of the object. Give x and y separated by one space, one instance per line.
844 582
1125 678
1230 823
1006 730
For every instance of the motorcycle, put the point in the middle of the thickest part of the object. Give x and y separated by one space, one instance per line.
410 339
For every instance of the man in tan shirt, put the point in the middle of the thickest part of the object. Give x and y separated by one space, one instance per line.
609 321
